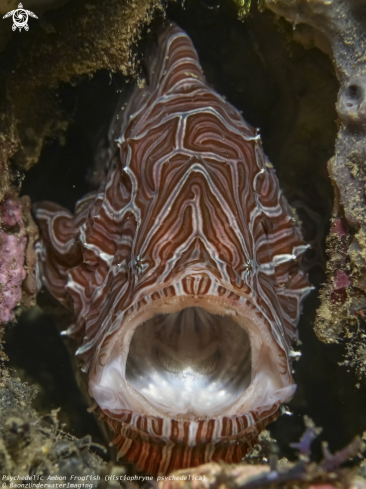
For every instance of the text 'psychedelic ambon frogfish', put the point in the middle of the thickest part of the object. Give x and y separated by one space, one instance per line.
182 271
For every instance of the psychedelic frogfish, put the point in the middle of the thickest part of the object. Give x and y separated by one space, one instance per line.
182 271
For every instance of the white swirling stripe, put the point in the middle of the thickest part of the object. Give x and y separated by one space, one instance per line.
188 183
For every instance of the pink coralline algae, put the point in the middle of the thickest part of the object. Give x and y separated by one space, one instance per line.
13 241
338 227
341 280
340 284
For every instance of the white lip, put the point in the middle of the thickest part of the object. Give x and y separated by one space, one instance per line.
270 381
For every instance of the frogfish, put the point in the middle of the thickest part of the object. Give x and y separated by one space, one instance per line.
182 271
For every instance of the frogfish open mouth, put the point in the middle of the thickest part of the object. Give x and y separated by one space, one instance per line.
182 271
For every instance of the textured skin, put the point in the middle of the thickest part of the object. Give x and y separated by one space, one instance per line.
190 206
13 241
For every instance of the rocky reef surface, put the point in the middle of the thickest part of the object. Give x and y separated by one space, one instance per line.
18 234
338 29
63 51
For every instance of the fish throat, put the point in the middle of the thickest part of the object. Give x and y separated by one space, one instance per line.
190 363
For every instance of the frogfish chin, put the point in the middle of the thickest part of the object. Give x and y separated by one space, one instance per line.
182 271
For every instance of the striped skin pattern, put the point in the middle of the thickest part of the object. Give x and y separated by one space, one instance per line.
190 214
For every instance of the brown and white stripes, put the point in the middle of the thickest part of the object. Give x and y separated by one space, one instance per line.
190 206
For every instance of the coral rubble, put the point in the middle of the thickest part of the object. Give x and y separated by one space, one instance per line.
30 445
278 473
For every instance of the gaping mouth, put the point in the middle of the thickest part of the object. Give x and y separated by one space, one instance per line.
195 361
191 358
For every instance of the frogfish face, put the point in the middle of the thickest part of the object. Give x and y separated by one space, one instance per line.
182 271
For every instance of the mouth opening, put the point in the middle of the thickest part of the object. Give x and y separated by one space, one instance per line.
191 358
190 361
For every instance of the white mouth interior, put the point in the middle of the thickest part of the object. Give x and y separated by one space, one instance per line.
193 360
180 360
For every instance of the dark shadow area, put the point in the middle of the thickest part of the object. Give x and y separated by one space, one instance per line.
39 356
63 172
